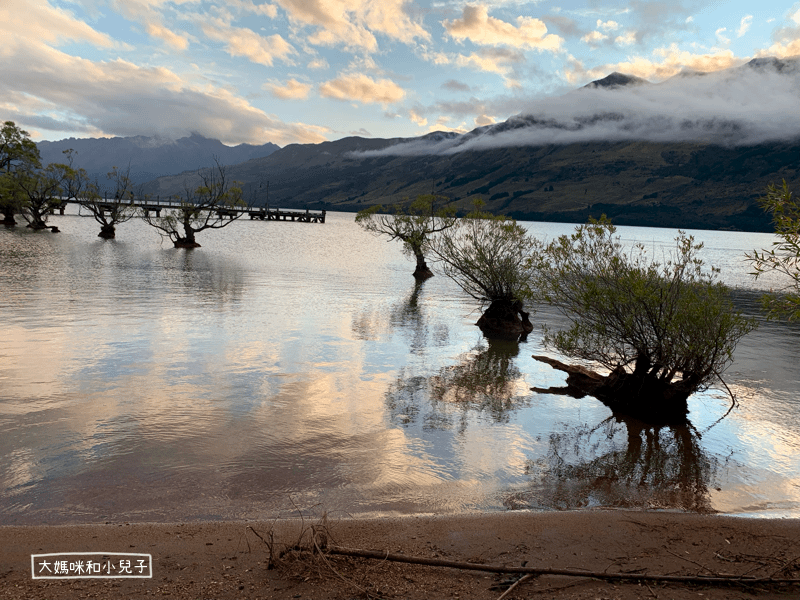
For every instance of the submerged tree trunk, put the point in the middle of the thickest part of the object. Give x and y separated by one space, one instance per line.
188 240
185 243
37 223
505 320
640 394
107 231
422 271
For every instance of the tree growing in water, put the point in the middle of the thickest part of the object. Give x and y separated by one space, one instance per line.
212 205
488 257
43 190
784 257
18 154
664 330
413 225
110 206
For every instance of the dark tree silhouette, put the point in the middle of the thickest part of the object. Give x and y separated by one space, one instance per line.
213 205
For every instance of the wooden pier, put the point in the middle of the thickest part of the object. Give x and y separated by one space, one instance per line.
306 216
255 212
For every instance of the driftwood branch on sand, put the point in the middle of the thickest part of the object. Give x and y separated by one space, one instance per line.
716 579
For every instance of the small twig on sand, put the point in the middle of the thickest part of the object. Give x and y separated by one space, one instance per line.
270 545
702 566
513 585
330 566
785 566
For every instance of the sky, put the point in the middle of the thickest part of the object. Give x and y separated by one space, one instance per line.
307 71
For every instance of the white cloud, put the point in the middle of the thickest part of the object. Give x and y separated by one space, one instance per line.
441 124
148 13
744 25
361 88
291 90
354 23
437 58
594 37
318 63
177 41
493 60
714 108
41 23
417 118
780 50
267 10
121 98
669 61
478 27
786 39
240 41
608 25
626 39
724 40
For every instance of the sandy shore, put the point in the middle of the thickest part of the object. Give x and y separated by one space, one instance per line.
201 561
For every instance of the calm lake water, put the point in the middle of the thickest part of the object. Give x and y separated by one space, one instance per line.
286 366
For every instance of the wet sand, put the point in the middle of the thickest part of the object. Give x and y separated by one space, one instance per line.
228 560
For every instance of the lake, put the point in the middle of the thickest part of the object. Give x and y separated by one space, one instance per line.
287 367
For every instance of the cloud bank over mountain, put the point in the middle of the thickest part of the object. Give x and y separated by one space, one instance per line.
746 105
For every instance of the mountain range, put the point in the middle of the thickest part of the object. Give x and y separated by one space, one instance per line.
149 157
695 151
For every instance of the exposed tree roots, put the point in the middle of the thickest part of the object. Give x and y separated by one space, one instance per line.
639 396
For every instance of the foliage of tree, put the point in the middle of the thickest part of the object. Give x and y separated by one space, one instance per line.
413 225
213 205
18 154
664 329
488 257
784 257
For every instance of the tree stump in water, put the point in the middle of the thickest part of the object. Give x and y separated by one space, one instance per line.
505 320
185 244
632 394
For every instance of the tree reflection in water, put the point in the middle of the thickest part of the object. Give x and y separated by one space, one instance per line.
622 463
485 380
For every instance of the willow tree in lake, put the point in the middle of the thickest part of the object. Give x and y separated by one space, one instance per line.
664 330
214 204
110 205
413 225
488 257
18 154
